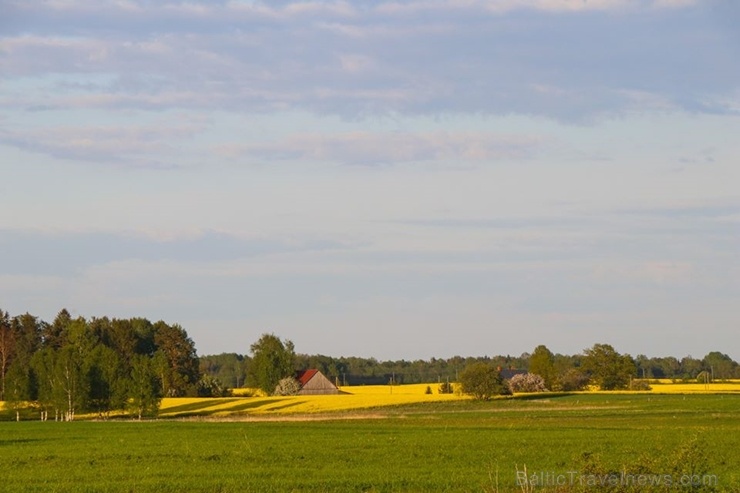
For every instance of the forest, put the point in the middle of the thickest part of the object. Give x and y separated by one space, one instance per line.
100 365
74 365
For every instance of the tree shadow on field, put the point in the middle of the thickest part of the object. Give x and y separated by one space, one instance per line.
251 405
194 406
286 406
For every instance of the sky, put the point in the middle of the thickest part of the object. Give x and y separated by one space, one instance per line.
393 179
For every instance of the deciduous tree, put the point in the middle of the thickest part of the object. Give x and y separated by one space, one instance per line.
272 360
482 381
287 386
542 363
572 380
49 396
7 348
143 388
72 380
608 369
183 372
528 382
719 365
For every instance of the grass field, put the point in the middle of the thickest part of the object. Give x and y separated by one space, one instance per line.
436 445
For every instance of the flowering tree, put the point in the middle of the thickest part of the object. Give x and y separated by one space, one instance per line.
528 382
287 386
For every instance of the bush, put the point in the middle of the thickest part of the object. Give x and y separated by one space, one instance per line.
688 461
640 385
287 386
209 386
528 382
428 390
573 380
446 388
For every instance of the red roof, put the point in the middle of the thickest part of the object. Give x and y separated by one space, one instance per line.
305 376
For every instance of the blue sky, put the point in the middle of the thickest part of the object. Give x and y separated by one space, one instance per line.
401 179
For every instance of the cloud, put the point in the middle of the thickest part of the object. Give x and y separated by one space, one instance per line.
567 59
37 253
365 148
131 145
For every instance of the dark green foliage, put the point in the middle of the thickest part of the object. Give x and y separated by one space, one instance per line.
7 349
19 387
49 397
181 372
608 369
687 466
209 386
71 377
482 381
228 368
143 387
108 381
690 368
74 365
272 360
20 381
445 388
720 366
542 363
370 371
54 334
572 380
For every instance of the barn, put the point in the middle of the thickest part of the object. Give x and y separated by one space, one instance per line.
313 382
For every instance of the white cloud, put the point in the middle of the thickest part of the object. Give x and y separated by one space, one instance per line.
130 144
356 60
391 148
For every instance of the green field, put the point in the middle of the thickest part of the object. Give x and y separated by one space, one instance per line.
446 446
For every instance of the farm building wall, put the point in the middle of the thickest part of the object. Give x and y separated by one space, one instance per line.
318 385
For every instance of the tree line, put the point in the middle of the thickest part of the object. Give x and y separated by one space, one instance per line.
74 365
102 365
561 372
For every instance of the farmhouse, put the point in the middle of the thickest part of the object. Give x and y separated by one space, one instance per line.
313 382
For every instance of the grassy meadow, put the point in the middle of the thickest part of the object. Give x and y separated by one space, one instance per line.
436 443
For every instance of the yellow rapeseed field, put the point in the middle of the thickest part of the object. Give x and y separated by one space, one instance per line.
410 389
355 398
351 398
684 388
